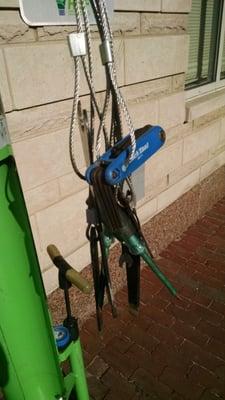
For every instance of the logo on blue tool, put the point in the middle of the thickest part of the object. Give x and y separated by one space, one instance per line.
139 152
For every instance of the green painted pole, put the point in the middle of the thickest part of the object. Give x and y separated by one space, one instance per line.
77 365
28 355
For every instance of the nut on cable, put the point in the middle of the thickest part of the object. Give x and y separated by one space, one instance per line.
77 43
106 52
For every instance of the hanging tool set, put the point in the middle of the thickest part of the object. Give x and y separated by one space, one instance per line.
111 212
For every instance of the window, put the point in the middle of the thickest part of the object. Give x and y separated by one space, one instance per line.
222 76
206 63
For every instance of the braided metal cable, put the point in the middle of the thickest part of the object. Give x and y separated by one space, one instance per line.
94 6
79 5
75 99
74 118
107 20
112 85
122 103
125 109
102 27
107 36
112 70
102 125
77 8
88 36
103 17
89 77
90 61
102 20
102 122
93 95
100 10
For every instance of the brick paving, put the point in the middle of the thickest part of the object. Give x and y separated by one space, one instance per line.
175 347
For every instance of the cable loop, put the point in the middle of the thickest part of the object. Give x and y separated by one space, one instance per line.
112 95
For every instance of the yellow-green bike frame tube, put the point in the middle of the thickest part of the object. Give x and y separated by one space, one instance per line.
29 366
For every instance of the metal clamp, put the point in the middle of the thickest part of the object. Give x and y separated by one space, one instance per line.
77 43
106 52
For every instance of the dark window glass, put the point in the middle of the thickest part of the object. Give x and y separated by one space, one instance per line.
222 75
204 29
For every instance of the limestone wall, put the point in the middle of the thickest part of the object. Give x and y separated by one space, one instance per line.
36 85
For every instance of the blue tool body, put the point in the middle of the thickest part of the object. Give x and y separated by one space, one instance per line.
148 141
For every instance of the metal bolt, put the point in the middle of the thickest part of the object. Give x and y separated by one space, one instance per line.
114 175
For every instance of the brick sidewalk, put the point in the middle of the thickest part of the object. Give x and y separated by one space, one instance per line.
175 348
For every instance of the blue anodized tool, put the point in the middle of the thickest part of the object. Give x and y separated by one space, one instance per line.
148 141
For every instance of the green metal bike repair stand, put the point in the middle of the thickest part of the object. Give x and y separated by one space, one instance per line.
29 360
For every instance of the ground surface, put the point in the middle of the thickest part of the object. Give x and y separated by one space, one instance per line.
175 348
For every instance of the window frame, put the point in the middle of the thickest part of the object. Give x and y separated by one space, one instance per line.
218 84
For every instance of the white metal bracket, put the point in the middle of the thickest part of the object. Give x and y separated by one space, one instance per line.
54 12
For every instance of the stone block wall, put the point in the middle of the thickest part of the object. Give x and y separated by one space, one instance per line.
36 86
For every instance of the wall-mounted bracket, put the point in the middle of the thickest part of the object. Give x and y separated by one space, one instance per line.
54 12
